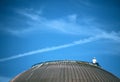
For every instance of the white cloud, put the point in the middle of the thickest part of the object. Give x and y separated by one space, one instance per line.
21 32
113 35
67 25
4 79
86 3
30 13
72 18
83 41
50 48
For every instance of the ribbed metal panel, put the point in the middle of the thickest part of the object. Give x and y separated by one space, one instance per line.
65 71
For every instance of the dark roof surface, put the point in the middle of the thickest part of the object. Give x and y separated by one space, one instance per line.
65 71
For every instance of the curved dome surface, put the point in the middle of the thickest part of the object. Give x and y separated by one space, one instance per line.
65 71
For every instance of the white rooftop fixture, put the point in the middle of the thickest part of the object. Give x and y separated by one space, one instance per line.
94 60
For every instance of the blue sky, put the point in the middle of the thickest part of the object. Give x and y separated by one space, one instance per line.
33 31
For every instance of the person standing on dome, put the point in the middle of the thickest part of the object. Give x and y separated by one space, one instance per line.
94 61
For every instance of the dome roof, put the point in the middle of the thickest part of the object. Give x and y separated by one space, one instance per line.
65 71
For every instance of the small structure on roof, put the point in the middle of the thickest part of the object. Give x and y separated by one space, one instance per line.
94 62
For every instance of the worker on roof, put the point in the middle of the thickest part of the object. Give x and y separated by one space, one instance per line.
94 61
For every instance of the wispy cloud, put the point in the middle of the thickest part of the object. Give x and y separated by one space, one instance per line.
83 41
71 24
82 3
4 79
30 13
50 49
68 25
73 17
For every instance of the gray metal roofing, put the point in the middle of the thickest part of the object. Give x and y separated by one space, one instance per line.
65 71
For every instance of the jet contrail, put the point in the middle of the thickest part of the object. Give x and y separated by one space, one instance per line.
83 41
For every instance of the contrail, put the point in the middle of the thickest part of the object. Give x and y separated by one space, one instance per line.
78 42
